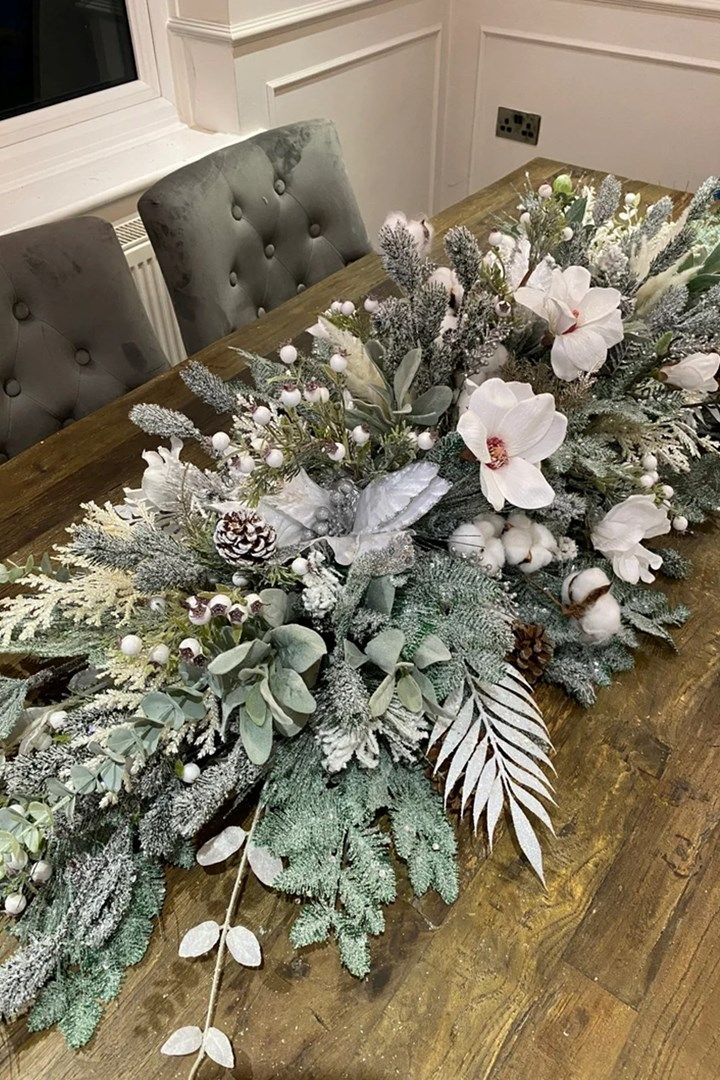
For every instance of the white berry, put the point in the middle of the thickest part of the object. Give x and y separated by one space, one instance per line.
338 362
41 872
131 645
667 491
290 396
275 458
239 580
630 199
545 191
336 451
300 566
495 238
246 464
57 719
262 415
647 480
15 903
360 435
567 233
371 305
220 441
288 354
159 655
649 462
190 773
680 523
525 218
426 440
336 306
348 308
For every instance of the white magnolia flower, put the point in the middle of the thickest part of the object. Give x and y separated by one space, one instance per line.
584 321
694 372
619 533
586 594
510 429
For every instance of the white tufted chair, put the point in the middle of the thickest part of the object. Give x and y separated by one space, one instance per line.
251 225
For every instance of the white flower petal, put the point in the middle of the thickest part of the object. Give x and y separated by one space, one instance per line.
581 350
551 440
524 485
576 283
532 299
491 402
527 424
474 434
490 487
598 304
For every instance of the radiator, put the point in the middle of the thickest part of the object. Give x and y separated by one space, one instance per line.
149 281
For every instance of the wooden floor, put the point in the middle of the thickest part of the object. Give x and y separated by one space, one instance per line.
614 972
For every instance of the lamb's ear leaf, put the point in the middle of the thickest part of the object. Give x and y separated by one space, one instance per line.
298 647
382 697
385 648
429 407
404 375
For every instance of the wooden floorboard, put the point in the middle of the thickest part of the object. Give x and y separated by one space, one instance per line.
612 972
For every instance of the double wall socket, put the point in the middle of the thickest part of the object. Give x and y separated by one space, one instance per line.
521 126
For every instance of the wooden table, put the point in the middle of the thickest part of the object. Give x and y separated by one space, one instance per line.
613 972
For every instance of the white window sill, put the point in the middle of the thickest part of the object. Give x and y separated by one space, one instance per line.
86 166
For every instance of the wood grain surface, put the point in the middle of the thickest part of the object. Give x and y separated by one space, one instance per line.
614 971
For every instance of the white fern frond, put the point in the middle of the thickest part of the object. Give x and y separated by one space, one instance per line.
497 742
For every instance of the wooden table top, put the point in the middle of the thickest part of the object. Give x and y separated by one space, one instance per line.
614 971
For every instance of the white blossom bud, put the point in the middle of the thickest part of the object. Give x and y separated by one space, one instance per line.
360 435
315 393
348 308
219 605
253 604
237 614
371 305
131 645
300 566
335 451
57 719
17 861
220 441
545 191
189 648
190 773
199 615
288 354
15 903
41 872
275 458
525 218
680 523
338 363
290 395
261 415
159 655
649 462
631 198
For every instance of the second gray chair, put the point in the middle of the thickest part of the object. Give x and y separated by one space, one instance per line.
73 332
245 228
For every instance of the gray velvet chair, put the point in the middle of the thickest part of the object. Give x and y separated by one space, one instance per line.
73 332
247 227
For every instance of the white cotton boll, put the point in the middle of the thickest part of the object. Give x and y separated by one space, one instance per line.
491 524
667 491
602 621
159 655
220 441
426 440
261 415
542 535
647 480
538 558
495 238
41 872
360 435
15 903
395 218
577 587
190 773
275 458
467 540
520 521
371 304
517 543
131 645
493 557
57 719
545 191
649 462
338 363
422 233
680 523
300 566
348 308
288 354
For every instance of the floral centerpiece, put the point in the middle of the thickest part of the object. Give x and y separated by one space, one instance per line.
453 492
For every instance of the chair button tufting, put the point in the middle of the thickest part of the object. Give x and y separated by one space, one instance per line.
279 186
82 357
3 457
12 387
233 279
20 310
66 423
261 312
269 250
237 212
301 287
314 230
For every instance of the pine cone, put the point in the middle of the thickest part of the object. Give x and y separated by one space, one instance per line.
243 535
533 650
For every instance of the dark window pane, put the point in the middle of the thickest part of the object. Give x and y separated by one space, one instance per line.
53 50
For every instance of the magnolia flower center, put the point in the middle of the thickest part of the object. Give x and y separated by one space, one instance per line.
498 452
576 312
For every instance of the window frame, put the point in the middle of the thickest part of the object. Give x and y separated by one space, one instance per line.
146 87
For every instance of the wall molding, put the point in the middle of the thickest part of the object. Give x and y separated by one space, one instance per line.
347 60
648 56
705 9
251 31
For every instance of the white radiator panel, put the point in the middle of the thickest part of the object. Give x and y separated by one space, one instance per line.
150 284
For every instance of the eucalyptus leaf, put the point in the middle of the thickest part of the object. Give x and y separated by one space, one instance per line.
244 946
255 705
409 693
430 406
431 650
298 647
222 846
83 781
256 740
353 656
382 697
218 1047
276 606
228 661
289 689
385 648
186 1040
380 594
265 866
200 939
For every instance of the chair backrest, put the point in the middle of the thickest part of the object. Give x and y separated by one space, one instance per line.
245 228
73 332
